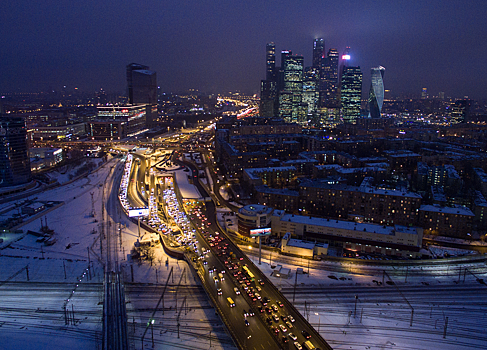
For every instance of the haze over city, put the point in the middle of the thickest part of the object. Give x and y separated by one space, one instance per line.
219 46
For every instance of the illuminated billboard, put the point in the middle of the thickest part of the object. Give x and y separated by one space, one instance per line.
138 212
345 57
260 232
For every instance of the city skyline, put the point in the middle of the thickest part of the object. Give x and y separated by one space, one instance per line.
217 48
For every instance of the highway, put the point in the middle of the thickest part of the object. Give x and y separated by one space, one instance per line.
268 289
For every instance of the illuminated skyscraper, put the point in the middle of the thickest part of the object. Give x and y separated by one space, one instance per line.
14 152
293 80
318 52
142 89
351 93
376 93
310 89
329 80
270 61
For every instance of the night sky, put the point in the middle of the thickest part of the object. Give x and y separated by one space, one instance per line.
218 46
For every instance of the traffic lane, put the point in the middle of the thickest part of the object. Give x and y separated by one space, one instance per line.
269 291
235 315
257 328
298 325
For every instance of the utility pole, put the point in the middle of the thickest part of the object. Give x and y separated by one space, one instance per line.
260 248
92 205
295 282
355 310
446 325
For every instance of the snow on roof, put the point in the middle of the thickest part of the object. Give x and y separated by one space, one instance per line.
252 209
448 210
346 225
300 244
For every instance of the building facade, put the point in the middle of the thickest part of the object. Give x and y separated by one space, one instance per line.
14 152
351 93
376 93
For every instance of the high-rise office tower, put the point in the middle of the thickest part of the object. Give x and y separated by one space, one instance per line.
351 93
318 52
293 80
280 75
329 80
310 89
286 106
142 89
293 73
268 97
270 62
376 93
459 111
14 152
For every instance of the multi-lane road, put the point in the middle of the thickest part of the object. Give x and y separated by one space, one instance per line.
264 327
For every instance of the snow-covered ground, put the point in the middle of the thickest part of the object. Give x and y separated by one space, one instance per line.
50 283
186 189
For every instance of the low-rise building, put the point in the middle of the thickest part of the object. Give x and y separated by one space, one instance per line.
363 238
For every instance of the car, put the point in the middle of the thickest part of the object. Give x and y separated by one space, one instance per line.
247 323
298 346
292 336
291 318
251 313
285 340
245 313
279 303
269 320
284 318
260 308
258 289
275 329
276 318
268 309
215 278
283 328
219 291
261 282
257 295
306 334
289 324
274 307
205 262
236 291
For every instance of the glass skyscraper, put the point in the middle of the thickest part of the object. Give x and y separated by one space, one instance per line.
351 93
318 52
329 79
14 152
270 56
376 93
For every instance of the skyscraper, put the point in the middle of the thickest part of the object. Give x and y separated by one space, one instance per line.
142 89
268 88
351 93
293 80
376 93
14 152
329 79
310 89
270 62
318 52
268 97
